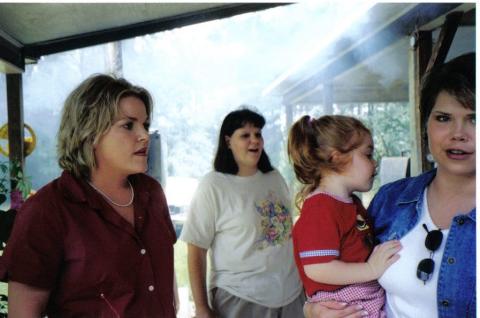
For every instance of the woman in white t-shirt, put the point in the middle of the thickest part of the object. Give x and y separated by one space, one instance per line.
241 214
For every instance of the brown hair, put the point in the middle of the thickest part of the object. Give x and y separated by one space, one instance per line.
88 113
311 143
456 77
224 161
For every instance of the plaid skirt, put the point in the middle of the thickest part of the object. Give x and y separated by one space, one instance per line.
370 295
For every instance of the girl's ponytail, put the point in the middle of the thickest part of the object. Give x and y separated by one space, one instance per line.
311 143
301 151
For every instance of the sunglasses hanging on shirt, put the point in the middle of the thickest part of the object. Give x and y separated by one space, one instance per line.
432 243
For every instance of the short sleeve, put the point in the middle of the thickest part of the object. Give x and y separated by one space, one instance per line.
34 252
316 234
199 228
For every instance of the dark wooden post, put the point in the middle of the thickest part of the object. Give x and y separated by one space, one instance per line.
15 119
445 39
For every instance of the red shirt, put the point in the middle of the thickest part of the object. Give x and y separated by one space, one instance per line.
69 240
329 229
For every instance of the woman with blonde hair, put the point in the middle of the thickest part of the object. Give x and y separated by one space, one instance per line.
98 240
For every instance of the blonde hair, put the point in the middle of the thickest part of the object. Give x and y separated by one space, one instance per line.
311 143
88 113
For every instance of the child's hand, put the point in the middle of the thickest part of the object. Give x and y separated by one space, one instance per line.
383 256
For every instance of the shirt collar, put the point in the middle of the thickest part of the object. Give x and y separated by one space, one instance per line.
140 187
412 193
78 190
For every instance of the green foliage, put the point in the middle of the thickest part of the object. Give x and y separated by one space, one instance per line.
181 266
3 305
22 183
389 123
390 127
10 172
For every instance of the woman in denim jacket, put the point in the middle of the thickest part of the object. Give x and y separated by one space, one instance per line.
434 214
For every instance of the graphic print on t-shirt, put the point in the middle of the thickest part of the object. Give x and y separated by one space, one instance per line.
276 221
361 223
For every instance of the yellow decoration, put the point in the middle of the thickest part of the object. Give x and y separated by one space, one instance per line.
29 142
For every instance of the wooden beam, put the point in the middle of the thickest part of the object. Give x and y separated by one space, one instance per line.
11 54
421 49
468 18
15 118
36 50
376 41
445 39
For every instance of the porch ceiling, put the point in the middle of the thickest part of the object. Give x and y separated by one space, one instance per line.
30 30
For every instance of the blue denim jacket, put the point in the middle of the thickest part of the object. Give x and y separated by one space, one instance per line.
395 211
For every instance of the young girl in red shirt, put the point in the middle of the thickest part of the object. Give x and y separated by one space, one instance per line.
333 240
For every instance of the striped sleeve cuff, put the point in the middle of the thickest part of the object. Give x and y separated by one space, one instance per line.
316 253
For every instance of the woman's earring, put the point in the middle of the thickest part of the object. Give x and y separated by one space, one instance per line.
430 158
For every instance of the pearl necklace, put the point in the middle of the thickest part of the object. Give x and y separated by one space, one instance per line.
110 200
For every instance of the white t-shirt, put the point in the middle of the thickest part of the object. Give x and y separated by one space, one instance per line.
406 295
246 224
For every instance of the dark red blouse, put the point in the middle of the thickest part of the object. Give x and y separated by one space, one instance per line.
67 239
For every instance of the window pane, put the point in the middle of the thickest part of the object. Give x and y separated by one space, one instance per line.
46 85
